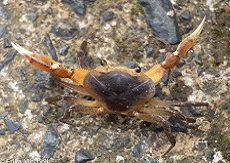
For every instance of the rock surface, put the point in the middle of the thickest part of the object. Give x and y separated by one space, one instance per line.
122 36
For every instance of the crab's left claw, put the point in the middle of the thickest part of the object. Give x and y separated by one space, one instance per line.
158 71
47 64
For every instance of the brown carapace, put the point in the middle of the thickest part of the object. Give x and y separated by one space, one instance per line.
117 89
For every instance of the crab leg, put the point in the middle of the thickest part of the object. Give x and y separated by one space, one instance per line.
47 64
159 120
158 71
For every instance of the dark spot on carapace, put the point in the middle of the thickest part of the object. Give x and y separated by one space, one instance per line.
119 90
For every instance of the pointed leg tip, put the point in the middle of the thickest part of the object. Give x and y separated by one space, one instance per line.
20 49
198 30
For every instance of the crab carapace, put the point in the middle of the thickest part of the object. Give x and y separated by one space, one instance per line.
117 89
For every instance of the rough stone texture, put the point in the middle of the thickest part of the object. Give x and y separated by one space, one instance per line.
162 19
110 138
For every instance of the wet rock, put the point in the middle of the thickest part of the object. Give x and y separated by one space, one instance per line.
6 43
83 156
186 15
12 126
149 51
159 12
177 125
108 16
50 142
8 60
50 46
78 6
65 31
180 63
139 148
3 29
64 50
4 13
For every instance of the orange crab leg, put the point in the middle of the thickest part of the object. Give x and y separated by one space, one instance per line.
47 64
157 72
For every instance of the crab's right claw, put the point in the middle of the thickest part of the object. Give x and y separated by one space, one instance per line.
47 64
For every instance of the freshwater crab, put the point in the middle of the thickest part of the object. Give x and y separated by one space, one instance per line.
118 90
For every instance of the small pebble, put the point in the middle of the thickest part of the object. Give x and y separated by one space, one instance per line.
122 142
46 109
198 60
78 6
165 79
194 111
130 64
2 131
200 70
50 46
8 59
6 43
120 159
83 156
149 51
186 15
3 29
177 125
175 74
190 56
4 13
108 16
139 148
201 145
36 97
64 50
180 63
12 126
65 33
50 142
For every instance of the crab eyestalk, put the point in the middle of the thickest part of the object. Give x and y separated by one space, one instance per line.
157 72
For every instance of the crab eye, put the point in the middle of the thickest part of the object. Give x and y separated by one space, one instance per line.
103 62
137 69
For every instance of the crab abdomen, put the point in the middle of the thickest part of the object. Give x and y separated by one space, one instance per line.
119 90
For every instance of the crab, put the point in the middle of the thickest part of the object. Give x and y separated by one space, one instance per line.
118 89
